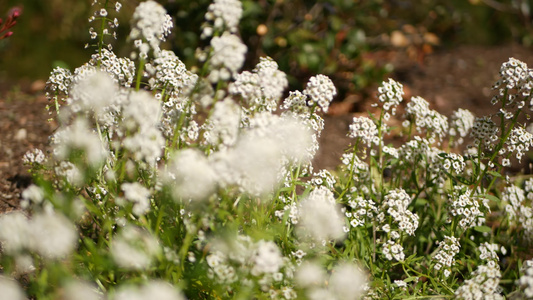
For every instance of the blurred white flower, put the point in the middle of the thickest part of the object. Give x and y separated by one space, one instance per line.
10 289
321 217
80 290
347 281
134 248
227 58
266 258
138 195
150 290
53 235
191 175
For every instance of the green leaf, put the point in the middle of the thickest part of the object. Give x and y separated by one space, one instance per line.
482 229
409 279
495 174
492 198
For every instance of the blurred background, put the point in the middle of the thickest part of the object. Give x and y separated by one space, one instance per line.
355 42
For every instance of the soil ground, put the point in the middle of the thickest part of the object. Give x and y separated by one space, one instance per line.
448 78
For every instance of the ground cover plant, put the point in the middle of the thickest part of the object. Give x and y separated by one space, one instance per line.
171 183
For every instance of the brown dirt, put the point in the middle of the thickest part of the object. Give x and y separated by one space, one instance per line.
448 79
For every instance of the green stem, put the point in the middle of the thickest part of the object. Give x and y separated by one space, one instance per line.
140 72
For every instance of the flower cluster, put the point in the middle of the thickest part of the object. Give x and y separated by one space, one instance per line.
518 142
364 129
485 281
461 122
51 235
224 15
320 90
150 25
361 211
347 281
395 205
485 133
426 120
228 54
518 208
466 207
390 94
320 217
526 280
445 257
262 88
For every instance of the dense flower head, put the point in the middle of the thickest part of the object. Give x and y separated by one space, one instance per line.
191 175
266 258
296 102
468 208
390 93
361 212
514 74
224 14
262 88
365 129
484 283
150 25
227 56
121 69
391 249
170 74
395 205
58 82
485 132
272 81
320 217
152 289
518 207
518 142
93 94
445 257
78 137
426 120
461 122
526 280
138 195
11 289
320 91
134 248
222 127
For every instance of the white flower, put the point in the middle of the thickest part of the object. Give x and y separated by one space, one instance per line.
365 129
53 235
320 217
11 290
148 291
347 281
32 194
78 136
133 248
310 274
80 290
390 93
320 90
152 23
266 258
191 175
14 232
227 58
223 124
138 195
225 14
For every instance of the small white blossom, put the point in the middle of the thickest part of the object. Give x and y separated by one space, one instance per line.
320 91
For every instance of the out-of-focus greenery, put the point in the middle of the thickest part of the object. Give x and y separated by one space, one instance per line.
345 39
